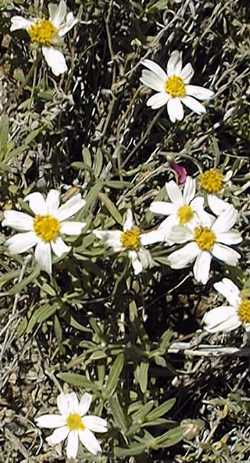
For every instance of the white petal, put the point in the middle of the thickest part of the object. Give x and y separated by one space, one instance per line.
52 201
202 267
37 203
58 436
200 93
18 220
217 205
73 403
175 110
111 239
43 256
71 21
229 290
70 208
63 403
89 441
96 424
59 247
166 226
189 190
229 237
85 403
55 60
17 22
129 221
50 421
154 236
145 258
225 221
187 73
21 242
193 104
72 228
203 217
174 63
180 234
151 80
60 13
136 263
184 256
162 208
221 319
174 193
226 254
158 100
154 67
72 444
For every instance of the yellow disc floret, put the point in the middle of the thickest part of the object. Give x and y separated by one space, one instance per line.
46 227
244 311
43 32
211 181
185 214
175 86
205 238
75 423
130 239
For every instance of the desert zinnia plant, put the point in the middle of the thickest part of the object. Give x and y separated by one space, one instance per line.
49 33
206 240
173 87
74 424
229 317
45 228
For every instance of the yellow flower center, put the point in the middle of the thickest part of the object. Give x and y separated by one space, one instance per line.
211 181
75 423
43 32
205 238
131 238
185 214
46 227
244 311
175 86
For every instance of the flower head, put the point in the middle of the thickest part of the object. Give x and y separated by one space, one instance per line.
206 239
212 183
183 209
74 424
132 241
45 228
173 87
230 317
48 33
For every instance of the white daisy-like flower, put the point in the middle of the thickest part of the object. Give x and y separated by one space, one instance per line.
48 33
73 424
132 241
228 318
212 183
205 240
173 87
183 209
45 229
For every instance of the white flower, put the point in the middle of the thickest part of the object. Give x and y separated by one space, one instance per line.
230 317
212 182
205 241
48 33
44 230
183 209
173 87
133 241
74 424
